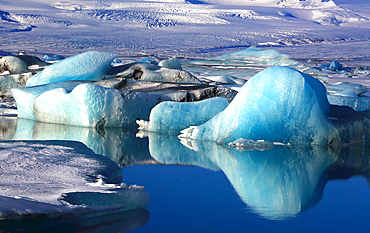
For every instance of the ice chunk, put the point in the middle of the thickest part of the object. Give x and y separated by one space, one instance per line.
7 82
246 63
41 173
20 63
354 102
152 72
339 88
279 104
172 63
53 58
172 117
90 66
84 104
334 65
148 60
25 96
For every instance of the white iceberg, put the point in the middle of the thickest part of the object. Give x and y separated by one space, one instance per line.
279 104
146 71
171 63
41 174
88 66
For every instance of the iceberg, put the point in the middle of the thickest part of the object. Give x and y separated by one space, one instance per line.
171 63
7 82
151 72
246 63
40 175
84 104
20 63
335 66
172 117
279 104
88 66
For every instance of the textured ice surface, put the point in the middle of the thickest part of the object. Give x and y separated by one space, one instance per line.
334 65
246 63
89 105
172 117
171 63
279 104
354 102
25 96
348 94
277 183
7 82
151 72
39 173
89 66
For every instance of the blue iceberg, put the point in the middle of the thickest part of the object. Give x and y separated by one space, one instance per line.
84 104
279 104
172 117
88 66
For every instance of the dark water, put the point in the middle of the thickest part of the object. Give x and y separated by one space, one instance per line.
204 187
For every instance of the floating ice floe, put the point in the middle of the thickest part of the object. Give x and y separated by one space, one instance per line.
279 104
53 178
20 63
171 63
88 66
172 117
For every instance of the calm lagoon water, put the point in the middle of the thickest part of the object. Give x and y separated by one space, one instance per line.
204 187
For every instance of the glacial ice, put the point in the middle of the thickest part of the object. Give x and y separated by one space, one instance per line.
171 63
84 104
151 72
172 117
40 174
20 63
246 63
279 104
356 103
334 65
7 82
348 94
88 66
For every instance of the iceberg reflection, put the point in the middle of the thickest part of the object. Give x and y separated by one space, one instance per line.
277 183
120 145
